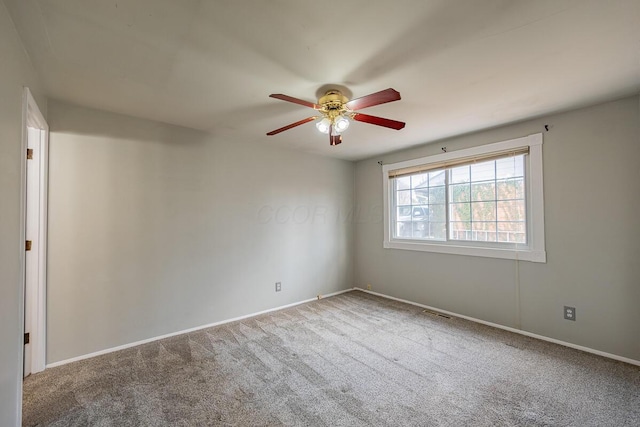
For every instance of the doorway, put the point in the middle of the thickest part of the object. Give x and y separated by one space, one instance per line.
35 182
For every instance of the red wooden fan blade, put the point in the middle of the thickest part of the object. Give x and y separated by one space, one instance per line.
388 123
295 100
292 125
387 95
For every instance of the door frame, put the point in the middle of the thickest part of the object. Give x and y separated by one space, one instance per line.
33 117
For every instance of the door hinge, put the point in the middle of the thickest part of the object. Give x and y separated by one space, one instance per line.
27 245
30 153
26 338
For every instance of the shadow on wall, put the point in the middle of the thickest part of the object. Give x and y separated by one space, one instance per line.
72 119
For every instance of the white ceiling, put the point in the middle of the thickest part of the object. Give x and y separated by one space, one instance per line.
460 65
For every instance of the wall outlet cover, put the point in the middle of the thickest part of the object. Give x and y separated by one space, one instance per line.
278 286
569 313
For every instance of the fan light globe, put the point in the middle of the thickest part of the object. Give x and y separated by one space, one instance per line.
341 124
324 125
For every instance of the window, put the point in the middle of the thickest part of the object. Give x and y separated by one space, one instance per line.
483 201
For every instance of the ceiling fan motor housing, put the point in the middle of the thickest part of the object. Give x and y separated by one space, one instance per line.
333 104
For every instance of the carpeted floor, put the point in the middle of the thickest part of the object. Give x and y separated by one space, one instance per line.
349 360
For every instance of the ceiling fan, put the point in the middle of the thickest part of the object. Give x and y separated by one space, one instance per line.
335 111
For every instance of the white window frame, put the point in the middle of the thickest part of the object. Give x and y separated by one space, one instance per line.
533 250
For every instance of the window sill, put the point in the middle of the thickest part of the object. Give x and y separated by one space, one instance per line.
525 254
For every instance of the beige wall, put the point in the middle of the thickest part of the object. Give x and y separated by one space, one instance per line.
15 72
591 188
155 228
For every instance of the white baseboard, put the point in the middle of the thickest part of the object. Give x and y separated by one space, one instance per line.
472 319
186 331
507 328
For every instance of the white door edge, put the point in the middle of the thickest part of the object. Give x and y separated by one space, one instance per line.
36 137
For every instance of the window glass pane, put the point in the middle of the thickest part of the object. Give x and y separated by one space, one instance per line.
420 229
420 213
420 180
437 231
510 167
512 232
484 231
460 212
460 174
436 178
403 213
483 191
484 171
520 166
437 213
483 211
403 197
403 229
420 196
460 193
460 230
512 210
403 183
510 189
436 195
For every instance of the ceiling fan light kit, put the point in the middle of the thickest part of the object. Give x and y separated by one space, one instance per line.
341 124
323 125
335 111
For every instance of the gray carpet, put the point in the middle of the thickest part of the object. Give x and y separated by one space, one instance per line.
349 360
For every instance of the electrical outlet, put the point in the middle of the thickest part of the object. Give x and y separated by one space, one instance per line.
570 313
278 286
368 286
